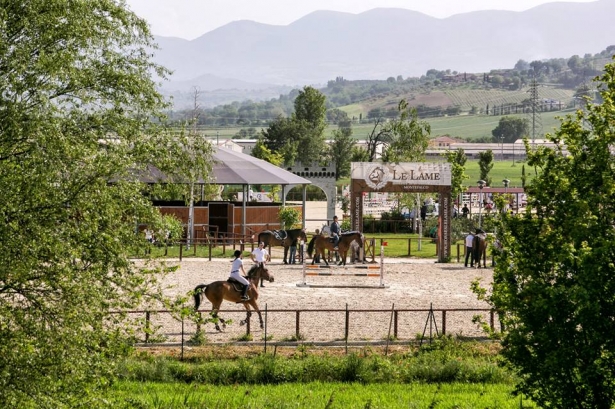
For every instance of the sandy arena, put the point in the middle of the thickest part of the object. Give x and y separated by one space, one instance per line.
410 284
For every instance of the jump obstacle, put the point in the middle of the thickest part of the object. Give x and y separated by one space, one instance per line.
306 273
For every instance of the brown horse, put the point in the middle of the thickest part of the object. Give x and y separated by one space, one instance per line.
479 249
230 290
321 243
281 238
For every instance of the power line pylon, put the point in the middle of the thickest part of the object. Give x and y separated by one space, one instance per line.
534 113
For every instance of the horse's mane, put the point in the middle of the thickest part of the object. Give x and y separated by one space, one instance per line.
252 270
348 233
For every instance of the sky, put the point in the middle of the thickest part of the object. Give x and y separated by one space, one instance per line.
190 19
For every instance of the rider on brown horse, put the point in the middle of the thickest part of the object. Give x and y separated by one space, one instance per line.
236 267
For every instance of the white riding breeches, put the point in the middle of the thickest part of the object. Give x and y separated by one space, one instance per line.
235 274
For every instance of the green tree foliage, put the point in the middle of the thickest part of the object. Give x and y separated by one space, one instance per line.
341 147
485 163
409 136
511 129
555 280
261 151
76 107
290 217
302 135
457 159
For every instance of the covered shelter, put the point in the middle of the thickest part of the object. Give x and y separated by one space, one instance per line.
231 167
236 168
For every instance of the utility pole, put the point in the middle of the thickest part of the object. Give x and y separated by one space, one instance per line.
535 118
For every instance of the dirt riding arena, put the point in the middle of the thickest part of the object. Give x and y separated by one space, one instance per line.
410 284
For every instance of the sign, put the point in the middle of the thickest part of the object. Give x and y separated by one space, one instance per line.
377 176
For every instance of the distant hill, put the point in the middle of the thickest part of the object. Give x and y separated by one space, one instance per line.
384 42
216 91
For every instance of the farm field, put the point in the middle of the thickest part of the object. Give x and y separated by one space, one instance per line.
460 126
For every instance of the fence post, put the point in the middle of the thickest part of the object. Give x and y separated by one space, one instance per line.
181 251
297 332
492 320
395 321
209 251
409 246
346 328
147 326
444 322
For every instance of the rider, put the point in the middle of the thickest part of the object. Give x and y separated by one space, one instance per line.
336 230
236 267
260 255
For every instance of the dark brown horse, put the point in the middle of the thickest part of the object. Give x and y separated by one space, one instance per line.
479 249
230 290
281 238
320 243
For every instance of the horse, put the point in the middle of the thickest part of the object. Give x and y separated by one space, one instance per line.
230 290
282 238
479 249
321 243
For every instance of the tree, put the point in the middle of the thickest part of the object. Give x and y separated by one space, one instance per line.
409 136
261 151
511 128
555 279
79 119
485 163
282 137
457 159
342 145
303 133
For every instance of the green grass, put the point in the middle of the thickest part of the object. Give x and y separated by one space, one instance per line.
462 126
317 395
448 373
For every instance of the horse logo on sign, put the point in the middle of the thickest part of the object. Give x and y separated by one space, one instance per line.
377 176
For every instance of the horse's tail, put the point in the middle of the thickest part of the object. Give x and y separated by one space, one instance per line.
198 290
310 248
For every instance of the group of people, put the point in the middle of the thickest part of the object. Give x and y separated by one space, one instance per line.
260 256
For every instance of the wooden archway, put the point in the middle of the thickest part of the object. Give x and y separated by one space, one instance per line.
406 178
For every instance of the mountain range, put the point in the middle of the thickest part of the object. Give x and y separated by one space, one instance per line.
376 44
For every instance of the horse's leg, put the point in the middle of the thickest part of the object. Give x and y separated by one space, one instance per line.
217 319
248 312
258 311
343 258
285 254
322 255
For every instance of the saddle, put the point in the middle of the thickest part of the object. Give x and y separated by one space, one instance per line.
237 286
280 234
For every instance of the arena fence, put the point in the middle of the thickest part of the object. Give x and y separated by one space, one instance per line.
353 323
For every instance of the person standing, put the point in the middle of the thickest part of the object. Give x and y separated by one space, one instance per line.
236 268
260 255
335 230
465 211
469 246
293 252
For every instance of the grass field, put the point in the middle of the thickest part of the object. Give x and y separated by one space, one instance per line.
318 395
446 373
461 126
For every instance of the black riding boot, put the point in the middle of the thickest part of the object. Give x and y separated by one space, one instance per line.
244 294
